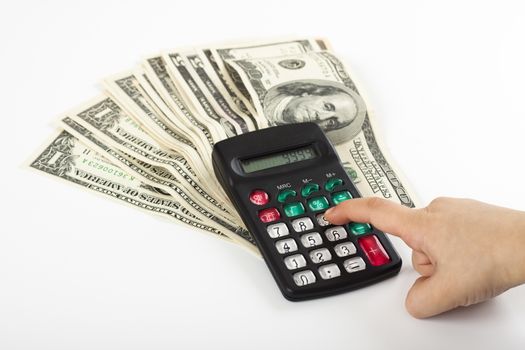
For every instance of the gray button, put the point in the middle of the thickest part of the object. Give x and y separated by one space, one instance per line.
345 249
296 261
311 239
304 277
302 224
285 246
329 271
321 220
320 255
277 230
354 264
336 233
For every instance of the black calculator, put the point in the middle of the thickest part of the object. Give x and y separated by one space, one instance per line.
281 181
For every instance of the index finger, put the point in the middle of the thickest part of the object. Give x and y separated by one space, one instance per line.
387 216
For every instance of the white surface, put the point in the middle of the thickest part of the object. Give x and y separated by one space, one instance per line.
81 272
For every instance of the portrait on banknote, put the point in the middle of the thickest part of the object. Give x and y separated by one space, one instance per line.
338 110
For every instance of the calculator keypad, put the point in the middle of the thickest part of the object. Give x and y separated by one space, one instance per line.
319 249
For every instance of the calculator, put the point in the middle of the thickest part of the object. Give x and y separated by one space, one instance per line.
281 180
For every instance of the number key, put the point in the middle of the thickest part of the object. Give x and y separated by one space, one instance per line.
302 224
285 246
345 249
336 233
304 277
311 239
277 230
296 261
320 255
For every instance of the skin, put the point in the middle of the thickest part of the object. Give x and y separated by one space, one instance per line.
465 251
330 112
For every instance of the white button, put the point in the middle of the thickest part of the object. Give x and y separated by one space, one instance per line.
304 277
354 264
302 224
336 233
286 246
320 255
345 249
311 239
296 261
321 220
329 271
277 230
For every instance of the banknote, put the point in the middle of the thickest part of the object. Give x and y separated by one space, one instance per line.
317 87
66 158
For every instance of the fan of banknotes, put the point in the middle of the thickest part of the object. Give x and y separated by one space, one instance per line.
147 139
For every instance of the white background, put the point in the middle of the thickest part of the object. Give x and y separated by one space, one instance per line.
78 271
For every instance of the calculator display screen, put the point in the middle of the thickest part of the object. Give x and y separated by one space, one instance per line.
251 165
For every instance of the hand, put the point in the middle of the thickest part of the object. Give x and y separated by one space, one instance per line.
466 251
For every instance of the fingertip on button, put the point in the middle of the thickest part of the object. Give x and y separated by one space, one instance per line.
328 212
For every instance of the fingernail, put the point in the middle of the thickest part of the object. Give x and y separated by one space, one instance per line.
329 211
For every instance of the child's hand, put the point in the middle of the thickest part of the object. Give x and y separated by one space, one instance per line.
466 251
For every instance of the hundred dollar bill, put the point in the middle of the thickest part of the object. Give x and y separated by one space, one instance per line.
253 50
68 159
157 177
317 87
114 128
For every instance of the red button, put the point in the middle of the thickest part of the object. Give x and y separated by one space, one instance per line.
259 197
374 251
269 215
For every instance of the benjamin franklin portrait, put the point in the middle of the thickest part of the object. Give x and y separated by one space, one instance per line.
338 110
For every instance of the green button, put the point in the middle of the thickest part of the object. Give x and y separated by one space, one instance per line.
294 209
358 228
318 203
342 196
308 189
332 183
285 194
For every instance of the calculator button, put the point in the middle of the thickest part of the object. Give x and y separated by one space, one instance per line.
285 194
354 264
304 277
358 228
308 189
296 261
335 233
320 255
329 271
269 215
286 246
374 251
318 203
321 220
302 224
345 249
332 183
259 197
294 209
277 230
342 196
311 239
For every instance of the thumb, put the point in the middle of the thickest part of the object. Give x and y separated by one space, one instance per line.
430 296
